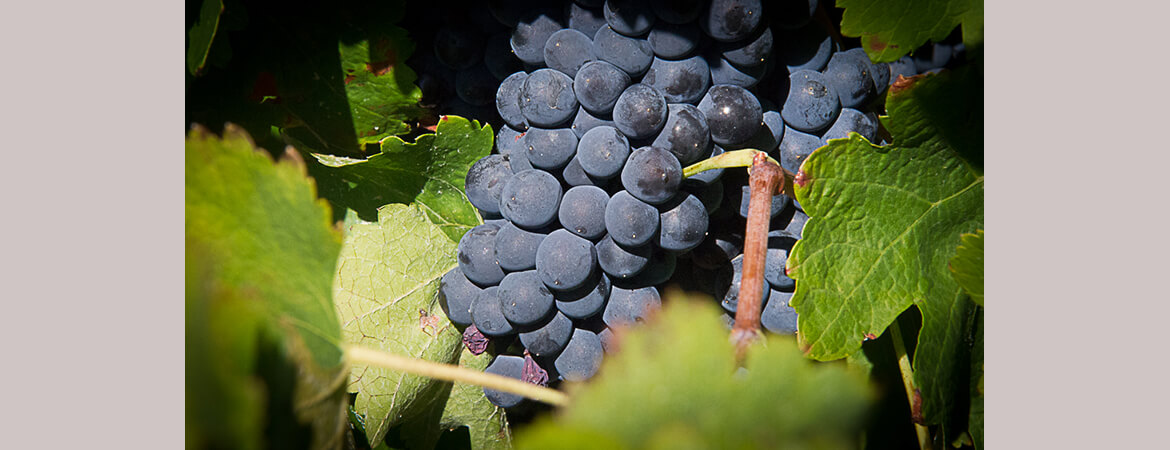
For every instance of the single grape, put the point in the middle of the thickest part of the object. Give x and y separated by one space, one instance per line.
848 75
524 298
530 34
852 120
630 222
633 55
582 211
581 357
621 262
476 254
673 41
812 103
685 134
456 295
628 17
640 112
508 100
602 151
565 261
516 247
508 366
550 148
777 316
530 198
550 338
795 148
485 180
731 20
598 85
683 224
487 314
585 301
630 306
681 81
547 99
652 174
567 50
732 112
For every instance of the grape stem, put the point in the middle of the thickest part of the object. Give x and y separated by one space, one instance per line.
448 372
912 394
764 180
741 158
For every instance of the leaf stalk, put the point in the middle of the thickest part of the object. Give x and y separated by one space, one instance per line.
448 372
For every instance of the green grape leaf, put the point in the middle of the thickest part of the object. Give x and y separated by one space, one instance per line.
224 397
889 29
350 87
882 227
429 172
975 411
677 373
202 34
386 291
967 265
261 242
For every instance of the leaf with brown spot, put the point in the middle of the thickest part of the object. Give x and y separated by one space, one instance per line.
889 29
386 292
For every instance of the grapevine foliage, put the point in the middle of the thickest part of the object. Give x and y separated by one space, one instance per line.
884 222
260 257
386 294
890 29
678 372
429 172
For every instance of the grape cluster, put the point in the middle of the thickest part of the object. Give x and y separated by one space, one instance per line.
600 104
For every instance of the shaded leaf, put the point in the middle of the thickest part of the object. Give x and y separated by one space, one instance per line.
674 382
429 172
386 291
259 241
889 29
967 265
202 34
380 87
348 85
975 416
224 397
